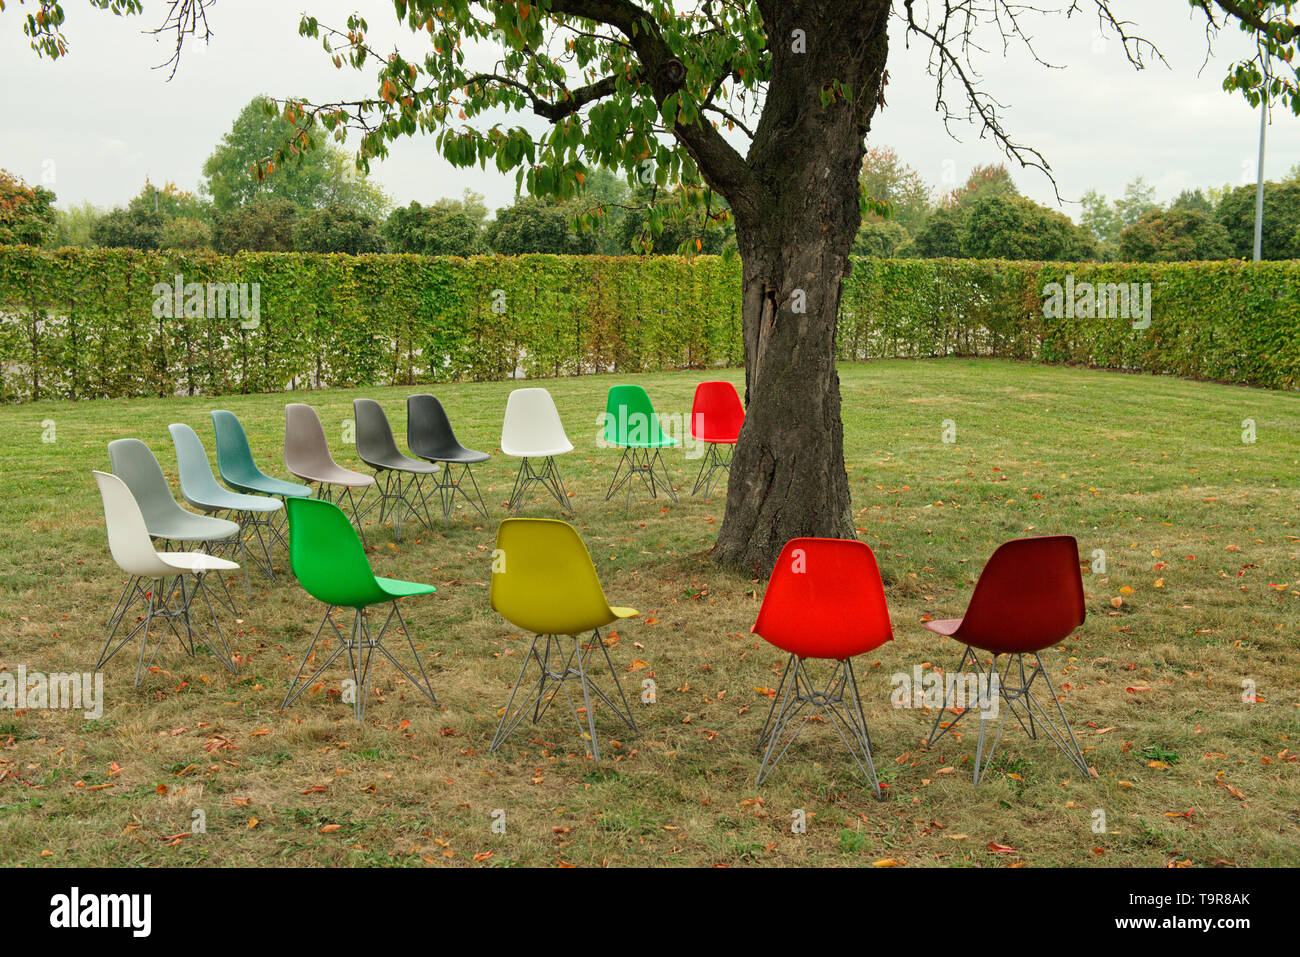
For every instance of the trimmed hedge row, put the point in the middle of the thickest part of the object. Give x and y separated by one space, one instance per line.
78 323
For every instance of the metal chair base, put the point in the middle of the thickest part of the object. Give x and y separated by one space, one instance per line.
838 700
646 464
327 493
396 501
360 646
548 477
556 668
449 484
1017 700
157 602
714 462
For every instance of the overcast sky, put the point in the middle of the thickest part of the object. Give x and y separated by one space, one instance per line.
92 126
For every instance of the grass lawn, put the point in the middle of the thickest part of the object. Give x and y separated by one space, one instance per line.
1200 532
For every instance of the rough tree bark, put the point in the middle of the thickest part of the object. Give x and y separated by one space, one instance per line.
787 476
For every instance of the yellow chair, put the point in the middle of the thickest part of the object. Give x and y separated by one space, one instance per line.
543 582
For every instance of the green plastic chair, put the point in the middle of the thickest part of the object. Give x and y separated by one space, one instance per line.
543 581
632 425
330 563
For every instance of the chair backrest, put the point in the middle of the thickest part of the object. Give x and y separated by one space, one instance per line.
543 580
128 536
532 424
375 443
1029 596
825 600
428 430
327 556
630 417
136 465
198 485
234 457
716 413
305 450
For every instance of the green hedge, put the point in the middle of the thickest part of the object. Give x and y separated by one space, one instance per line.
80 323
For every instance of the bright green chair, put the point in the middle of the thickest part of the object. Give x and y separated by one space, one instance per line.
330 563
543 582
632 425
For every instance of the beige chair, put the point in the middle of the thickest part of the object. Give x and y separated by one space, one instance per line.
307 456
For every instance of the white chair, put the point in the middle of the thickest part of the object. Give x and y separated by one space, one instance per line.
532 430
132 549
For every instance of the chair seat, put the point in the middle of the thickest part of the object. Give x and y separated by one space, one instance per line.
535 451
185 526
458 455
944 626
197 562
337 475
659 442
396 588
718 439
266 485
219 500
400 463
623 612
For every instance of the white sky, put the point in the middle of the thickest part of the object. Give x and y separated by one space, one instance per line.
93 125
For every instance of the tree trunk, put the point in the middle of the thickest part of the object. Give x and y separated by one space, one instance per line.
787 476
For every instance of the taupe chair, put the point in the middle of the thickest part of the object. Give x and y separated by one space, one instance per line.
307 456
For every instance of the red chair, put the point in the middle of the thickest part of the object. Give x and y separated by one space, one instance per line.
716 418
1029 597
825 600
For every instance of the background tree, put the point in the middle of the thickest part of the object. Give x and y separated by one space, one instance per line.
337 229
438 230
135 227
1235 212
264 226
312 173
888 179
1174 235
881 238
674 222
74 224
999 226
27 213
535 225
640 85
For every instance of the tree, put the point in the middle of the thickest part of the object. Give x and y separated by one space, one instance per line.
1236 213
1013 227
881 238
983 181
75 224
537 226
1174 235
27 213
940 237
888 179
1101 218
674 223
133 228
1193 200
264 226
645 87
312 175
433 231
337 229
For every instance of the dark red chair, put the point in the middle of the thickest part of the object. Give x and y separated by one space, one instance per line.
825 600
1029 597
716 418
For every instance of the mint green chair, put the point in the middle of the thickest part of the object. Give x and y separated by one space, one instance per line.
326 555
632 425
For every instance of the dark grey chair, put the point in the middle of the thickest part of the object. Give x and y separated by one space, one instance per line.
429 435
399 477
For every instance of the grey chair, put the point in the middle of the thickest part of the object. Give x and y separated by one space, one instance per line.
307 456
200 489
135 464
429 434
399 477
